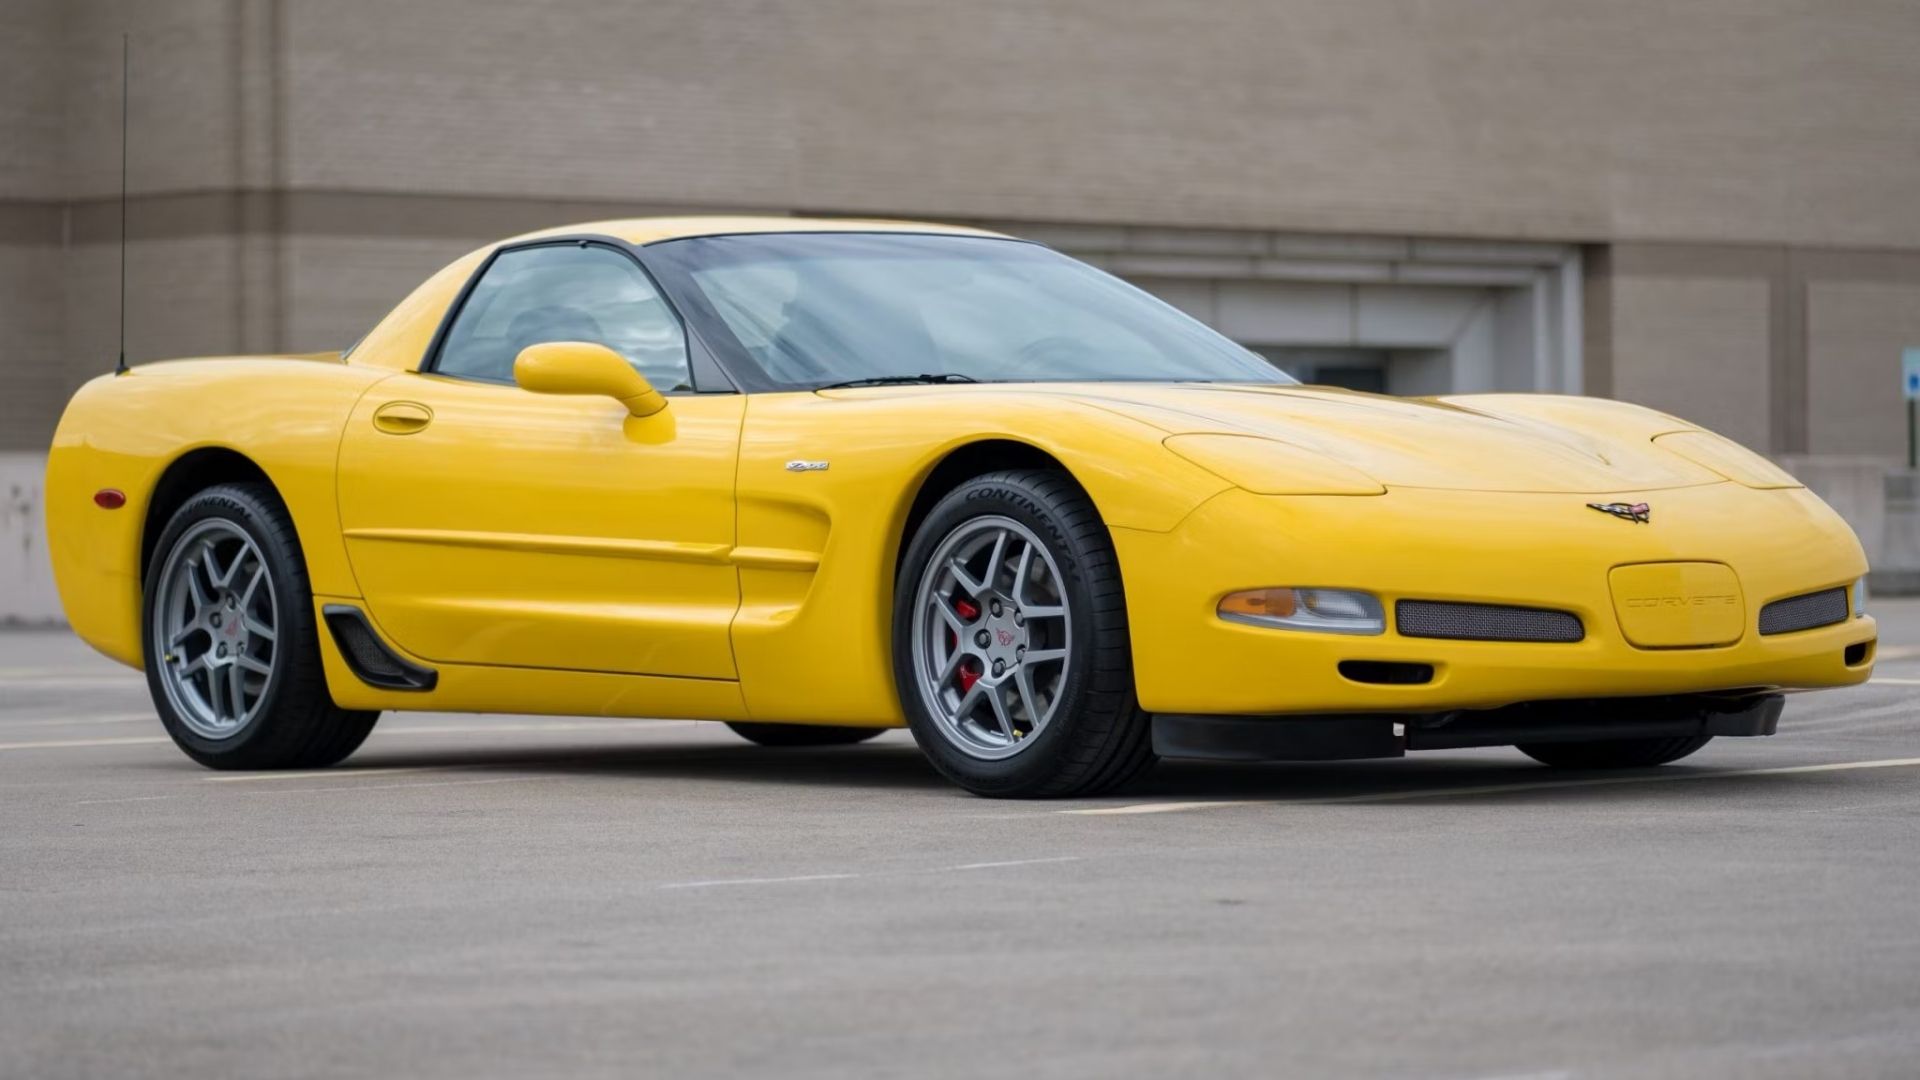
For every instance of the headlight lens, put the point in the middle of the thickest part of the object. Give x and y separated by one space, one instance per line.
1270 467
1726 457
1329 611
1859 597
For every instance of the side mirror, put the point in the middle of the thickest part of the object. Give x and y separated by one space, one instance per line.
582 367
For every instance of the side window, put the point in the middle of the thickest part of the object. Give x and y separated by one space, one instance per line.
565 292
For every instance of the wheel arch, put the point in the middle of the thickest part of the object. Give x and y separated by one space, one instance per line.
959 465
184 477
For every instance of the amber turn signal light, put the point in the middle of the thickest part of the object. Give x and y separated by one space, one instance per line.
1261 602
1329 611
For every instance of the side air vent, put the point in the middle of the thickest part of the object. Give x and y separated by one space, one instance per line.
1804 612
1485 622
372 662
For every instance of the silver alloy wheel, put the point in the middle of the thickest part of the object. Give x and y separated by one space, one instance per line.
215 621
992 641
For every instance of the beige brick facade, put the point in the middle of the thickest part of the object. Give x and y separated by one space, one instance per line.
1724 193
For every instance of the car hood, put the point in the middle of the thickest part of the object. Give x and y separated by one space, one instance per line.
1492 442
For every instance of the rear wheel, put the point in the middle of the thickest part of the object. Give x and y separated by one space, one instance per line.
232 649
1010 642
1614 753
803 734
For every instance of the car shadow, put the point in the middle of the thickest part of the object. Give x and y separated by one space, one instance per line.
894 764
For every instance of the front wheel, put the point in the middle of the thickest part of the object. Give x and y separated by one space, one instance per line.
232 648
1614 753
1010 647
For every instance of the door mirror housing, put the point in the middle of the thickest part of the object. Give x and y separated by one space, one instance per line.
582 367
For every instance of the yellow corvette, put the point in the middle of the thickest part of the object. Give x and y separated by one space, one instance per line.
821 478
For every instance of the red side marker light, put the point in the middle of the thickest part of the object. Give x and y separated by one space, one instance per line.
109 498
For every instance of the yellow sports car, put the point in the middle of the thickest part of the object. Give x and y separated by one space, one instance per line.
817 479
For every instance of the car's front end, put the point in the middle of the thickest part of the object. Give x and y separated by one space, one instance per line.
1436 605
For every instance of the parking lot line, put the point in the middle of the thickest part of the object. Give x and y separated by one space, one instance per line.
68 744
756 881
330 774
1494 789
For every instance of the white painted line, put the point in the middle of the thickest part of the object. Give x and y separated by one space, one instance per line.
757 881
1889 681
81 720
330 774
1897 652
1012 862
354 788
23 674
136 798
66 744
1495 789
463 729
77 682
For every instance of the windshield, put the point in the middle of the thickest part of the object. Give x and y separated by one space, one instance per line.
809 310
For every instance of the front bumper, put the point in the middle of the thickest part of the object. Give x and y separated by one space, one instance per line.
1525 549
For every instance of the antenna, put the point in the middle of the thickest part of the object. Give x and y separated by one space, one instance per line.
120 366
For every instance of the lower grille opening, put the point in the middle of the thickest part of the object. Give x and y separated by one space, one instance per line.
1386 672
1485 622
1858 654
1805 612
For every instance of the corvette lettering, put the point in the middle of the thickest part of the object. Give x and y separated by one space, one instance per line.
1704 600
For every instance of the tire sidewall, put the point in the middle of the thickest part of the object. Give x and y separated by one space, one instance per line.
247 512
1038 758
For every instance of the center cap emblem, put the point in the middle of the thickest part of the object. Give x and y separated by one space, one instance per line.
1005 636
1638 512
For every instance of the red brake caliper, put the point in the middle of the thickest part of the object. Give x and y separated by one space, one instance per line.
969 670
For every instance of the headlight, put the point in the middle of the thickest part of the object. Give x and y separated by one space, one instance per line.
1859 598
1330 611
1270 467
1726 457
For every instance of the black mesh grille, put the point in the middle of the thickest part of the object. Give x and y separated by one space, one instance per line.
1485 622
366 651
1822 608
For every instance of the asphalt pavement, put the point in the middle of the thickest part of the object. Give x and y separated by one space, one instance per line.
478 896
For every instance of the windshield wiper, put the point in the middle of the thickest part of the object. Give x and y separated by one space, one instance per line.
902 380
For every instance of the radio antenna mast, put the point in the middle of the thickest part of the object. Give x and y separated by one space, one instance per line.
120 366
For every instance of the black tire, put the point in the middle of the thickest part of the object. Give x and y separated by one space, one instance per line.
1098 739
803 734
296 725
1614 753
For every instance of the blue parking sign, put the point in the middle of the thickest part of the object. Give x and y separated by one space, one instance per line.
1910 372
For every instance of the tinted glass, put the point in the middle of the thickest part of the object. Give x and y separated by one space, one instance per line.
565 293
812 309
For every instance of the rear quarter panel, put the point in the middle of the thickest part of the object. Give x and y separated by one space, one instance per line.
123 431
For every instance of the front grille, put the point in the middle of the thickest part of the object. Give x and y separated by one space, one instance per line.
1823 608
1485 622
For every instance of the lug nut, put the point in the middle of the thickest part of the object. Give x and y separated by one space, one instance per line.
1020 653
216 619
999 667
994 607
982 639
1019 619
221 651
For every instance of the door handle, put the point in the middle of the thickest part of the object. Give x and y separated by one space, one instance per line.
402 417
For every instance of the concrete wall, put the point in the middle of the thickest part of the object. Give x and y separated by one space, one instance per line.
26 577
